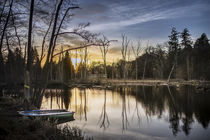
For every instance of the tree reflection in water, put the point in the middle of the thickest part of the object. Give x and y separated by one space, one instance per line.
180 107
104 119
125 122
184 105
137 108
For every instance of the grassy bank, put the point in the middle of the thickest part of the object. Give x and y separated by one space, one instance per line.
154 82
15 127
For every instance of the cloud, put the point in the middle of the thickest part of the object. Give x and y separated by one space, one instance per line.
133 18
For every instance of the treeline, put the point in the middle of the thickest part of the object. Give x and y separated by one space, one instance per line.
179 58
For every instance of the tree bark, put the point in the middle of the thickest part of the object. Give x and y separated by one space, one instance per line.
4 29
169 76
29 61
2 11
145 64
53 33
136 69
29 58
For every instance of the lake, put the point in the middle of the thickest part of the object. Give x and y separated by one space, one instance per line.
135 112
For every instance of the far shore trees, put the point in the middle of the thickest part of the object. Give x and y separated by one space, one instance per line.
174 49
136 52
124 48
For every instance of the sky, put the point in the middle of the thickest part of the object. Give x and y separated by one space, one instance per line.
145 20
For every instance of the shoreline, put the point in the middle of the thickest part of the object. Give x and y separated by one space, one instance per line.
14 126
152 82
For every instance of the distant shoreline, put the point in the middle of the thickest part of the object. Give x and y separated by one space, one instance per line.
119 82
153 82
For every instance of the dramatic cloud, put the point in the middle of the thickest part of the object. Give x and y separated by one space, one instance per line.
113 17
142 19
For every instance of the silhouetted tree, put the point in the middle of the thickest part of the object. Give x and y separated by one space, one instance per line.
174 48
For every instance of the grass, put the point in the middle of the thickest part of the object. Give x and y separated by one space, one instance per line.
15 127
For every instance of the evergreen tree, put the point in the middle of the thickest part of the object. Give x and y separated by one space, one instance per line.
202 57
186 43
174 49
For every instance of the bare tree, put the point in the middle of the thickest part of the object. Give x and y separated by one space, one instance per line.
58 30
125 43
53 31
104 119
81 62
44 38
2 10
29 56
137 52
85 62
4 28
145 62
104 49
105 43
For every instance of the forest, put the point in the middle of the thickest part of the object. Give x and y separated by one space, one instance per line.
36 48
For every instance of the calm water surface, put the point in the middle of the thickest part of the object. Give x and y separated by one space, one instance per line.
136 112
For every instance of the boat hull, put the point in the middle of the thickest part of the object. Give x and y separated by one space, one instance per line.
47 113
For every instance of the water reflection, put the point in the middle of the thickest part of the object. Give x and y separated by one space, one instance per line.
104 119
137 111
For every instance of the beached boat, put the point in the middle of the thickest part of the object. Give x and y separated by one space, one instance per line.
55 113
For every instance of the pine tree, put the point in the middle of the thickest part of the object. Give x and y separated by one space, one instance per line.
174 49
202 57
186 43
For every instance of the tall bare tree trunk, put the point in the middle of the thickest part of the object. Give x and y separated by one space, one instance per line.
76 66
145 64
29 58
85 58
4 29
136 70
53 32
169 76
188 67
125 43
137 53
2 11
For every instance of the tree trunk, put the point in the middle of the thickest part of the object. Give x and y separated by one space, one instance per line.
169 76
29 59
136 69
85 72
105 72
4 29
53 32
2 11
188 67
145 64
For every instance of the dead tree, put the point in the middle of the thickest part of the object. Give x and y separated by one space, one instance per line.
81 62
29 56
4 29
104 49
172 69
125 43
85 62
2 11
136 53
145 61
104 119
59 28
53 32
